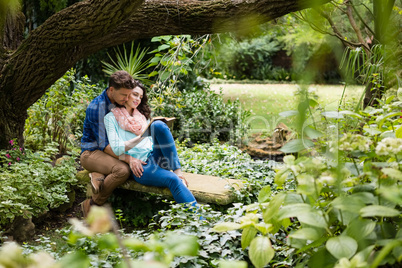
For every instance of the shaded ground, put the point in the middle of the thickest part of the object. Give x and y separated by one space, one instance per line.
55 219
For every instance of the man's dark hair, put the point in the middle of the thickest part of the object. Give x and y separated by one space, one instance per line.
121 79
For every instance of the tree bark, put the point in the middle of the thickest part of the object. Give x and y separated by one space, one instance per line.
88 26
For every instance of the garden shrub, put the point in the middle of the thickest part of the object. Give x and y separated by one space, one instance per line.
202 115
33 185
249 59
59 115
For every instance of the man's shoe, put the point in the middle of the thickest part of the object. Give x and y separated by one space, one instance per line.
85 207
97 180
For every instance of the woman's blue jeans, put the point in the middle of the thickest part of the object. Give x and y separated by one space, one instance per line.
163 159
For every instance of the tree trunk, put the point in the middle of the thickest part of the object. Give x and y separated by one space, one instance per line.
12 123
372 94
89 26
51 50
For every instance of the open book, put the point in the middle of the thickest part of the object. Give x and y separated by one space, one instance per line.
168 120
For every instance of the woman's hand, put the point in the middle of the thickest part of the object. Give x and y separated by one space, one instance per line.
180 174
136 166
184 181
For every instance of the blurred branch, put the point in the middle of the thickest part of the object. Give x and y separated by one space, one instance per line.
362 20
115 229
336 33
349 13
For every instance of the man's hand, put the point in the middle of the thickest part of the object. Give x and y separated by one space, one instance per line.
136 166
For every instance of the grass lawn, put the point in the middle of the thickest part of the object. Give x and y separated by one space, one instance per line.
266 101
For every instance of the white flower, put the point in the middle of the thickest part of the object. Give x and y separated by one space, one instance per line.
329 180
389 146
354 142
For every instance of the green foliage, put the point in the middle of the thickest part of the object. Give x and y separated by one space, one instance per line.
106 249
6 7
202 115
346 205
213 248
279 51
379 66
137 208
53 5
132 62
368 30
12 156
174 60
250 59
357 61
92 245
32 186
59 115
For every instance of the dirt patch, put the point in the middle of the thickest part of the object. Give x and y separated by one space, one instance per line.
56 219
268 147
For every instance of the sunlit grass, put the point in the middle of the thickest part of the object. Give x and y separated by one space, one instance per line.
266 101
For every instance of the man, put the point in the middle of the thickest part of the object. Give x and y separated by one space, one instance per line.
96 153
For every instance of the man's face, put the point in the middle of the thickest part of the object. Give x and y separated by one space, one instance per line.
119 96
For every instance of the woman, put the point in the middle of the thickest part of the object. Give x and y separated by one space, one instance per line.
157 152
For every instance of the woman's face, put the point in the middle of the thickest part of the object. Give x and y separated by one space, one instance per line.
134 99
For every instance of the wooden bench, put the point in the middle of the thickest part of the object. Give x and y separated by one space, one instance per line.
205 188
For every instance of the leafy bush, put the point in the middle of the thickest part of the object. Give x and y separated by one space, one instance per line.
32 185
137 208
174 60
132 62
248 59
59 115
202 115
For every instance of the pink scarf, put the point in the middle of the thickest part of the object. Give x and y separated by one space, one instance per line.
134 124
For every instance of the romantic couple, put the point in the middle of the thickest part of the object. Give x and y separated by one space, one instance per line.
113 150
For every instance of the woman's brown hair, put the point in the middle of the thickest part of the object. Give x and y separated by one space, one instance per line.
143 107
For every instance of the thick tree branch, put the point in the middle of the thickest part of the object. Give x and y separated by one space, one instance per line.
88 26
91 25
55 46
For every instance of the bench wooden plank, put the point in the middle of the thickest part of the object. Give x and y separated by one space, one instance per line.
205 188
